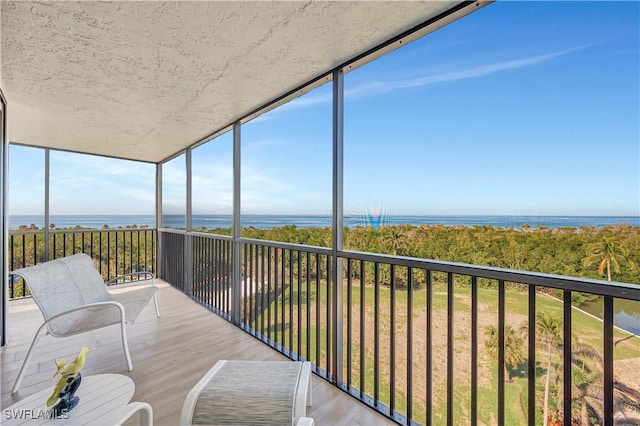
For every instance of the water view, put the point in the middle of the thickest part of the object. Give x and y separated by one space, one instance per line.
265 221
626 313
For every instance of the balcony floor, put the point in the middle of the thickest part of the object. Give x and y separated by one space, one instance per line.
170 354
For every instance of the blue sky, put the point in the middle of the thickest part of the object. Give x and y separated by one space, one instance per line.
519 108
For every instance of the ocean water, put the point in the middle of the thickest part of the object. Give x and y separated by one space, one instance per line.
306 221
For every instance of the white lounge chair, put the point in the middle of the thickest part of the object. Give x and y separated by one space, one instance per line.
73 299
249 393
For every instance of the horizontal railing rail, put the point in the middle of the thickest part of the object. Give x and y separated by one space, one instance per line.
287 246
426 341
115 251
560 282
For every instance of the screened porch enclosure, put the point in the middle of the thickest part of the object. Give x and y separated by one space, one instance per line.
391 338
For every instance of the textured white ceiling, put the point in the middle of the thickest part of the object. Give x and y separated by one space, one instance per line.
145 79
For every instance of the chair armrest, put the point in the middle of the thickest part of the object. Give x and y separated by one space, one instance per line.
120 416
113 303
186 415
89 306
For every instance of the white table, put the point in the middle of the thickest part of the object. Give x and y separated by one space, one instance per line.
104 400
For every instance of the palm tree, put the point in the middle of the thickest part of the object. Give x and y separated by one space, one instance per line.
396 239
549 331
606 253
586 378
514 350
588 387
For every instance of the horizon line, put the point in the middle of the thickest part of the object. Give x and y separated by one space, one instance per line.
346 215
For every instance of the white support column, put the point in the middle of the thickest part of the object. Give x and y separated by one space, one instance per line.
158 220
237 272
4 218
47 220
337 224
188 243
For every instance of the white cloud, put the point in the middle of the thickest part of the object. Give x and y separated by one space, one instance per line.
375 88
379 87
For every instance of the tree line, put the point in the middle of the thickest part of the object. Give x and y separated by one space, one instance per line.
611 252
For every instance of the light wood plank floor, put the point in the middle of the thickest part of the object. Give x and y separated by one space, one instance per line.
170 354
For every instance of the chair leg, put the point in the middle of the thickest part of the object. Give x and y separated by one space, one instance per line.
25 363
155 301
145 410
125 344
309 393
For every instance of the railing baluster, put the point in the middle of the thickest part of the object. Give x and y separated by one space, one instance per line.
376 333
349 323
205 266
531 366
474 350
108 254
229 275
318 304
138 246
24 248
216 276
206 273
153 250
282 298
450 337
409 345
243 266
308 338
362 329
501 344
429 346
229 282
299 332
269 301
566 357
196 287
226 282
252 294
212 272
100 251
225 272
608 361
203 274
392 341
12 264
262 307
278 294
330 267
116 259
290 347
